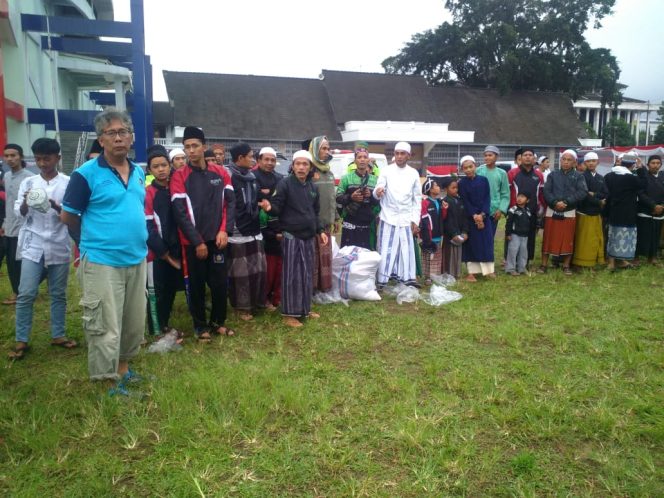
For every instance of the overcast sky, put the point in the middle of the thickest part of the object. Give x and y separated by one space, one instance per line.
299 38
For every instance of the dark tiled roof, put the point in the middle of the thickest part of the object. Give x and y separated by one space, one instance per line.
276 108
162 113
378 97
251 107
520 117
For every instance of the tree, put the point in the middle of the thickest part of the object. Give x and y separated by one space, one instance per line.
617 132
642 138
515 45
658 137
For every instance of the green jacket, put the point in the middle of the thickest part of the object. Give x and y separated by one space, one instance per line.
499 188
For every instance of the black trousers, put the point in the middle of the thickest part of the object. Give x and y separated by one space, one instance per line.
13 264
167 282
2 250
211 272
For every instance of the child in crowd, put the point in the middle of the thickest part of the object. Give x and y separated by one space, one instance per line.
517 227
455 229
164 253
431 230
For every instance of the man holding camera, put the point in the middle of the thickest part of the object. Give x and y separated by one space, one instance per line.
358 206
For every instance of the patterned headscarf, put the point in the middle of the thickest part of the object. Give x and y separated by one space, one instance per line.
314 150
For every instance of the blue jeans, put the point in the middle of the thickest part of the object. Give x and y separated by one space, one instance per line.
31 276
517 254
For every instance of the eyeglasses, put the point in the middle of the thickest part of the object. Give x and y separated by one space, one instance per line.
123 133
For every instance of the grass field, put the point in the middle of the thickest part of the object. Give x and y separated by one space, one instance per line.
531 386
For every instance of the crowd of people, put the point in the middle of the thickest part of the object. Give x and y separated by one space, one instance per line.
263 242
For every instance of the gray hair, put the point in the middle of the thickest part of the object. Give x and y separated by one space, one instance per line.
104 118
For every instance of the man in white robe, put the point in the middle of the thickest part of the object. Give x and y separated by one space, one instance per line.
399 190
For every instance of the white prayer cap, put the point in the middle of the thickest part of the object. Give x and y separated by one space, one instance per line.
541 159
590 156
302 154
267 150
492 148
175 153
404 146
467 158
570 152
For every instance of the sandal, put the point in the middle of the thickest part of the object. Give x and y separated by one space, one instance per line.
226 331
627 266
247 317
9 301
541 269
567 271
65 343
18 352
313 314
204 337
470 278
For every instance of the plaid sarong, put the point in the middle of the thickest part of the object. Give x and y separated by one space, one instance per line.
323 266
247 275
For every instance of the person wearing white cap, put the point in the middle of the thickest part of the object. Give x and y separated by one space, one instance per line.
399 191
589 235
544 166
563 191
296 202
475 192
177 158
266 180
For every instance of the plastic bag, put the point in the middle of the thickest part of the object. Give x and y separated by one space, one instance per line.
168 342
407 294
330 297
439 295
445 279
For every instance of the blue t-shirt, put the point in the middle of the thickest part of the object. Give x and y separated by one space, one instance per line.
113 228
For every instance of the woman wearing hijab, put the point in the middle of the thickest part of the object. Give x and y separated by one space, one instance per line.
323 178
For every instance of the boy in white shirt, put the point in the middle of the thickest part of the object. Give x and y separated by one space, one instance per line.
43 246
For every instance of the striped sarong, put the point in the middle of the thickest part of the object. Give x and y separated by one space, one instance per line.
297 276
397 253
246 275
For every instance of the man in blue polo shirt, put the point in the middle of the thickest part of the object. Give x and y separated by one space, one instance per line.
103 205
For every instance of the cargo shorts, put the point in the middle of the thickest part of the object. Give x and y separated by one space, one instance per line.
113 311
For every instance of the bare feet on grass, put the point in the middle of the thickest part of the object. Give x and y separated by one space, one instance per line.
292 322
